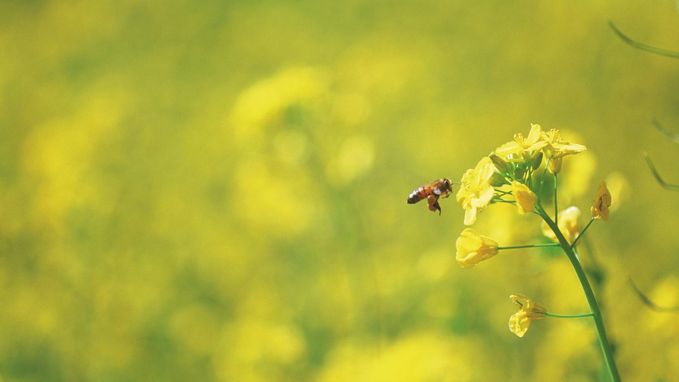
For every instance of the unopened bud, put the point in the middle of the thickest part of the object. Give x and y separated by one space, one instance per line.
536 160
554 165
500 164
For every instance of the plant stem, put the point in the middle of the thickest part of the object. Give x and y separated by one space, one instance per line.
590 314
503 201
589 294
582 233
529 246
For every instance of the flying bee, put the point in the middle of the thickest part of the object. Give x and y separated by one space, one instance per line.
432 192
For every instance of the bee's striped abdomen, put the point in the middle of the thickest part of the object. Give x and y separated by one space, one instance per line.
416 195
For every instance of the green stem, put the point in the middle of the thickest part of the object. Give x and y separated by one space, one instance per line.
589 294
582 233
504 201
554 315
529 246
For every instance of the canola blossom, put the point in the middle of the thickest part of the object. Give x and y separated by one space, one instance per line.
602 203
519 145
476 191
529 311
558 148
473 248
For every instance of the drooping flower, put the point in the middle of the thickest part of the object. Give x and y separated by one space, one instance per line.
525 198
556 148
476 190
519 145
473 248
528 311
602 202
569 225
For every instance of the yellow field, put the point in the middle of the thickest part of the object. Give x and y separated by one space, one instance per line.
197 191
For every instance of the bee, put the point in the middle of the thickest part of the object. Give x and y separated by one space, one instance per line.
432 192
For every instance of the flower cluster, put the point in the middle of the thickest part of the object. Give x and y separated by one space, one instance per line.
511 171
517 173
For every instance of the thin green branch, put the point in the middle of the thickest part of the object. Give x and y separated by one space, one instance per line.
664 131
649 303
554 315
504 201
582 233
658 178
641 45
529 246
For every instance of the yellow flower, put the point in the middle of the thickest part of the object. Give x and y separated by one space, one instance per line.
602 202
520 144
556 148
473 248
569 225
525 198
476 191
528 311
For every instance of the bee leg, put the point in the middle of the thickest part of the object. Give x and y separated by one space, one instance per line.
433 201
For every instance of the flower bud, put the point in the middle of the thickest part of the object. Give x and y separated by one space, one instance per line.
500 164
536 161
554 165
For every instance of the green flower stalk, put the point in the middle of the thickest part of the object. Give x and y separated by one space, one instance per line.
589 294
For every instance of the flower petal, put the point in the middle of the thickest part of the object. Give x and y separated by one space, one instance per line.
519 323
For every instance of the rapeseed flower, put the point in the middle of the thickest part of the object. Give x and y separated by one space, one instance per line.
476 190
473 248
556 148
533 142
528 311
602 203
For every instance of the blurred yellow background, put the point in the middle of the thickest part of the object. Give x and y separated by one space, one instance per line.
196 191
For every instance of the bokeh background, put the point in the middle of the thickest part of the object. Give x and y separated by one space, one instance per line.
215 190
